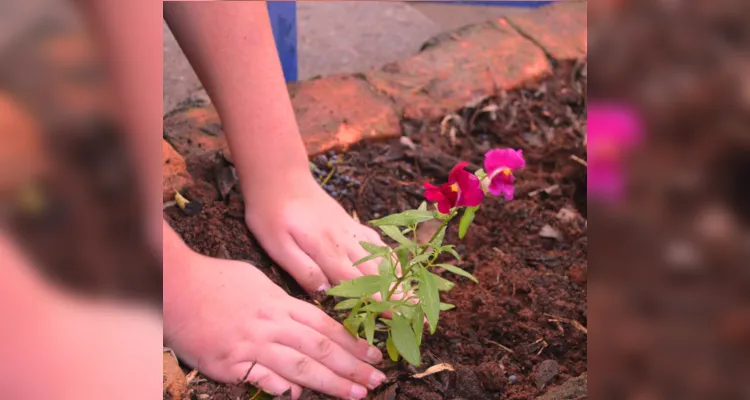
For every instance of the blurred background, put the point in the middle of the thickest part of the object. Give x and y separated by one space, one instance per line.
669 289
80 294
669 155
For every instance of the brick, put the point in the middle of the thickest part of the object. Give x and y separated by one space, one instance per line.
560 29
175 176
174 380
23 152
470 63
332 113
195 130
340 110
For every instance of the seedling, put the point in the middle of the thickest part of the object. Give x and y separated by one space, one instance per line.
406 286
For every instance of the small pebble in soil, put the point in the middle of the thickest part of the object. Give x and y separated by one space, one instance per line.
512 379
545 372
550 233
337 184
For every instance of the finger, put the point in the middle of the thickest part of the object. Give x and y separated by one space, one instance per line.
371 235
298 264
309 315
330 354
305 371
265 379
330 257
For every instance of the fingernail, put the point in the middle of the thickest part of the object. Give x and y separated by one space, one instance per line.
324 287
358 392
376 379
374 355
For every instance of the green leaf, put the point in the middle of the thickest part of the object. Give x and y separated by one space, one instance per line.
442 284
391 348
357 287
375 250
352 324
403 256
406 218
387 273
404 340
458 271
429 298
366 259
466 221
370 327
439 238
406 311
417 323
449 249
446 306
347 304
395 234
421 258
378 307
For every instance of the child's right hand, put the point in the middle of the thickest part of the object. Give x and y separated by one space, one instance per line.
220 316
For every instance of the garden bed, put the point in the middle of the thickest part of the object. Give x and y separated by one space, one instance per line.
521 329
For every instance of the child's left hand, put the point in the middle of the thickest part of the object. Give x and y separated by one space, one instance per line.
309 234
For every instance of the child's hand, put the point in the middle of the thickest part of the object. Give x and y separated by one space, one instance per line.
221 316
309 234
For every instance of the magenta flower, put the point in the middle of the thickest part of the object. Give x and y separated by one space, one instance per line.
499 165
462 190
614 129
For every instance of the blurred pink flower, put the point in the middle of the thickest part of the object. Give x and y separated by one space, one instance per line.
614 129
499 165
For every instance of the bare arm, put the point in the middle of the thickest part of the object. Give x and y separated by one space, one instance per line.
232 49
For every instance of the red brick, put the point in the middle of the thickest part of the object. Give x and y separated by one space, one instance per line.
195 130
560 29
473 62
23 152
332 113
174 172
340 110
174 380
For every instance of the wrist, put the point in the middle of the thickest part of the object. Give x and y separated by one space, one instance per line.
177 260
280 182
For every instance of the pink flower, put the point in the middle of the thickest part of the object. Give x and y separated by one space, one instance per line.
614 129
499 165
462 190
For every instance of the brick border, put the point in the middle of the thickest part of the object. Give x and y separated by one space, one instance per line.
451 70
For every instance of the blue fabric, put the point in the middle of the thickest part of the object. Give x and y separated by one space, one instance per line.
283 16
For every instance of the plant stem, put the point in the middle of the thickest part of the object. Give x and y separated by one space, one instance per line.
443 225
405 272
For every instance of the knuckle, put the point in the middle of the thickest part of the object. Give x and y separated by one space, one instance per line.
324 347
265 314
302 366
325 325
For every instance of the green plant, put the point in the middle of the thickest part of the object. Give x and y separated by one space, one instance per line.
407 286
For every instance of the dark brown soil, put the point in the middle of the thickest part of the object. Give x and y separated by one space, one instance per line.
530 303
